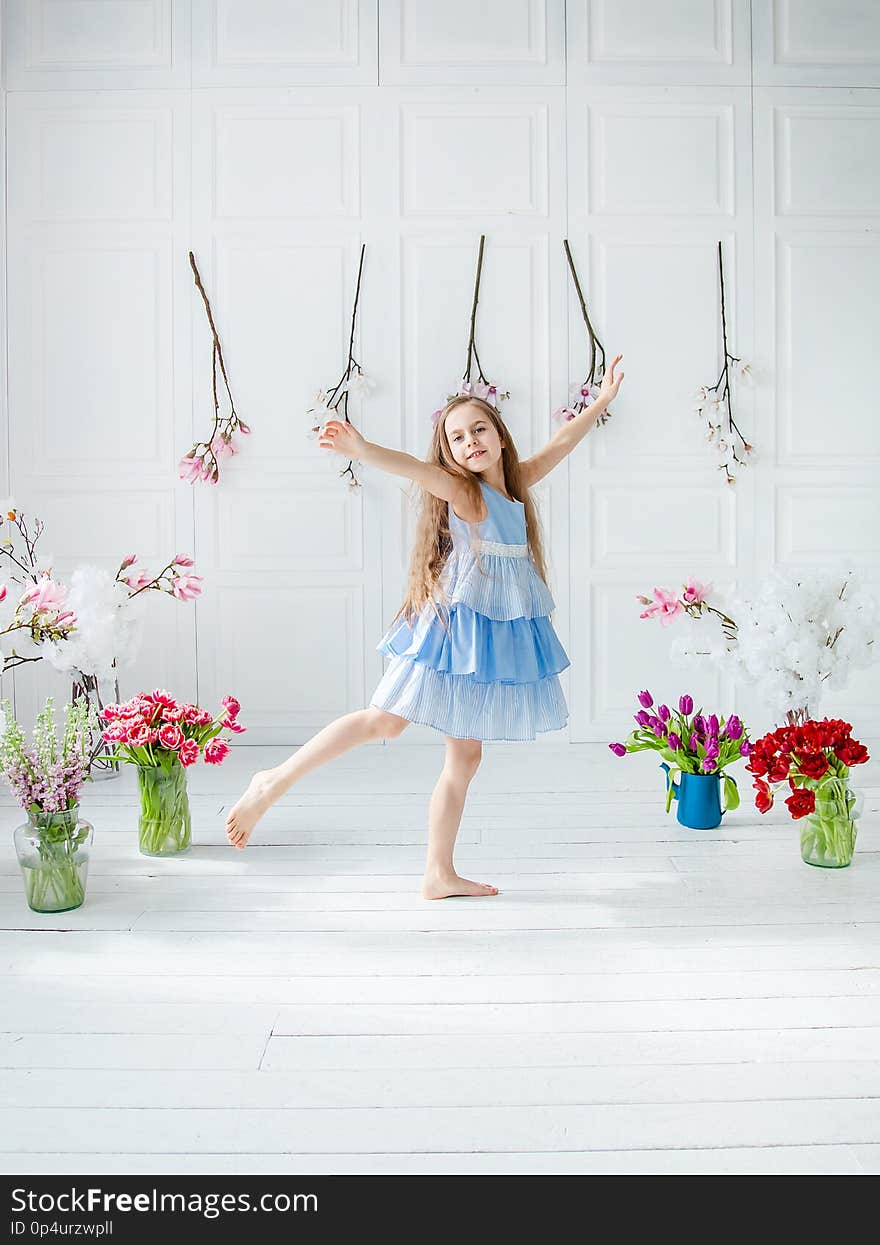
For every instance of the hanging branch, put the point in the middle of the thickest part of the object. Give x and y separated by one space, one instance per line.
472 345
481 387
728 443
583 395
203 460
352 381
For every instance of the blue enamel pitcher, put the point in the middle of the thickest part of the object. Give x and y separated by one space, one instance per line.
699 798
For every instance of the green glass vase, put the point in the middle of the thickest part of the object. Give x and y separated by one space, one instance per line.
53 854
828 835
164 827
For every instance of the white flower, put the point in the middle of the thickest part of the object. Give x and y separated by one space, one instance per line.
106 626
360 385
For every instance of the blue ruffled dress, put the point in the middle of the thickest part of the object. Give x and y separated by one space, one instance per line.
492 672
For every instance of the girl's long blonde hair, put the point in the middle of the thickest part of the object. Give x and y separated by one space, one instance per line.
433 540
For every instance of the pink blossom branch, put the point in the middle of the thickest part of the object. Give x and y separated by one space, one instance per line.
202 461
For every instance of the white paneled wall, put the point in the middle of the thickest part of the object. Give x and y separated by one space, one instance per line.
273 138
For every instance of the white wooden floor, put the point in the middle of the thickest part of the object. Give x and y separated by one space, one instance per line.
639 997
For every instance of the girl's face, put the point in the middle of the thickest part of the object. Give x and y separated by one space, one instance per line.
473 437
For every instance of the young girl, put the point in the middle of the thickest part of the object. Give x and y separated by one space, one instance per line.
474 653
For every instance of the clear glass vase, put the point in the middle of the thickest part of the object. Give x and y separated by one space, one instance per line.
98 692
828 835
164 828
53 853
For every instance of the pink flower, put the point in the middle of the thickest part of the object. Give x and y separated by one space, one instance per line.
138 735
694 591
231 706
162 698
115 733
186 587
138 581
191 714
221 448
562 415
3 591
110 712
183 559
190 469
66 620
216 751
436 416
172 714
203 717
171 736
665 606
128 561
243 427
45 594
231 725
189 752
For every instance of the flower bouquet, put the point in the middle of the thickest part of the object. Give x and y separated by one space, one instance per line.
814 760
46 778
695 746
163 738
797 635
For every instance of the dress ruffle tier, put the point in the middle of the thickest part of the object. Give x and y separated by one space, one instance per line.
515 650
497 586
462 708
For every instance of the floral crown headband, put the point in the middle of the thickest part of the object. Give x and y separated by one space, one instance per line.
473 389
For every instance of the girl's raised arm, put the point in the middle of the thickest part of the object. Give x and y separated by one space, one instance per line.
345 439
569 435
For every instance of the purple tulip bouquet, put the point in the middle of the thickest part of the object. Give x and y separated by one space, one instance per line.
690 742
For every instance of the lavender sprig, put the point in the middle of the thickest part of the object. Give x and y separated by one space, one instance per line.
47 775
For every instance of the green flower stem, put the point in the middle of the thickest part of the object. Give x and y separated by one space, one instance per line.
828 835
164 826
57 881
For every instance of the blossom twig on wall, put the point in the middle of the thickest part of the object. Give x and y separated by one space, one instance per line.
470 386
203 460
727 442
582 395
354 381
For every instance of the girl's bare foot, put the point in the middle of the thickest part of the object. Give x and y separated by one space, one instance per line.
245 814
445 885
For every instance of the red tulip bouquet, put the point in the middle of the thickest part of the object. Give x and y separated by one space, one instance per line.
163 738
691 743
813 760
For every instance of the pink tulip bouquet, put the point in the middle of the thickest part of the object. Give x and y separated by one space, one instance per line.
691 743
163 737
